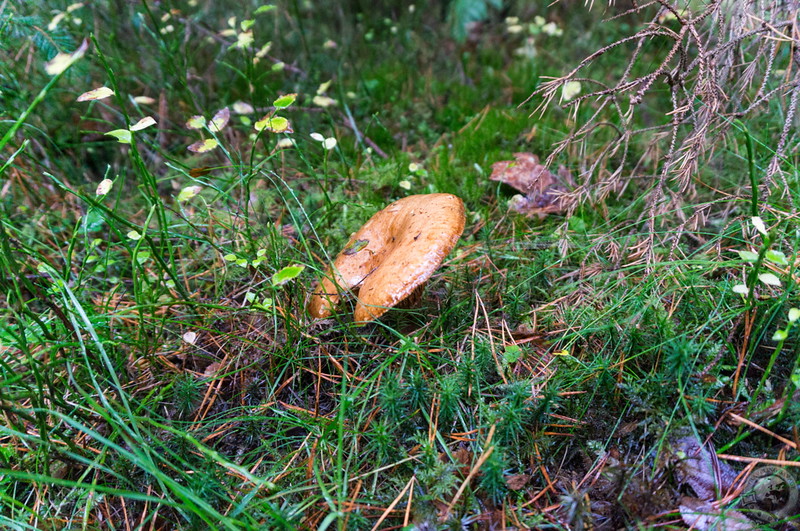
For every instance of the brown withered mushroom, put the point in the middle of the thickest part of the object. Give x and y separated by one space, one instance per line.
392 255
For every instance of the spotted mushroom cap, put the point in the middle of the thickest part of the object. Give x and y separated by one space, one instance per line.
394 253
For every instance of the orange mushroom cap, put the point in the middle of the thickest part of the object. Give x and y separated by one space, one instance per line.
394 253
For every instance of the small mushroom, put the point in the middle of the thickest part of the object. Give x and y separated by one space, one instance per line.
392 255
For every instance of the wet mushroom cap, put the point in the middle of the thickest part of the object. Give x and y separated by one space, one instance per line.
394 253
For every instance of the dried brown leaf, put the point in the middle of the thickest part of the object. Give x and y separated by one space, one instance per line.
541 188
517 481
705 516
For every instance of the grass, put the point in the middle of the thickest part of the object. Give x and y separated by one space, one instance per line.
154 375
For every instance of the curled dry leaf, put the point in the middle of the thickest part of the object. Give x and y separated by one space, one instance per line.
144 123
220 120
541 188
706 516
697 465
212 369
517 481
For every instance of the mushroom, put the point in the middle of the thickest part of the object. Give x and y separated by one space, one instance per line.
392 255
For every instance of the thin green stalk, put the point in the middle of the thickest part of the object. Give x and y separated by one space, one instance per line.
751 166
24 116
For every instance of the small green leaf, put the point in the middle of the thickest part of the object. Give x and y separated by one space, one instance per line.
779 335
286 274
230 257
241 262
247 24
284 101
769 279
776 257
142 257
134 235
188 193
123 136
512 353
93 221
794 315
264 9
748 256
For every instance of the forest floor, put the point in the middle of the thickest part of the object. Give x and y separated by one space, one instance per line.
176 177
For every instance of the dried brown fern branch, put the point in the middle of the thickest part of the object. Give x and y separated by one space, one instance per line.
720 60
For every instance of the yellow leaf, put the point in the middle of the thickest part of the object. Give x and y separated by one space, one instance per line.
144 123
323 88
104 187
323 101
244 40
274 124
570 90
241 107
203 146
196 122
144 100
96 94
220 120
189 192
62 61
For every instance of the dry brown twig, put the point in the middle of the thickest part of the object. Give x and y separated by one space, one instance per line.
719 64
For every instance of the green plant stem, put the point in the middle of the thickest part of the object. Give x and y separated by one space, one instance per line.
751 167
752 278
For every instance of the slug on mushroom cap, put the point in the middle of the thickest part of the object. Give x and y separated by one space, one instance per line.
392 255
